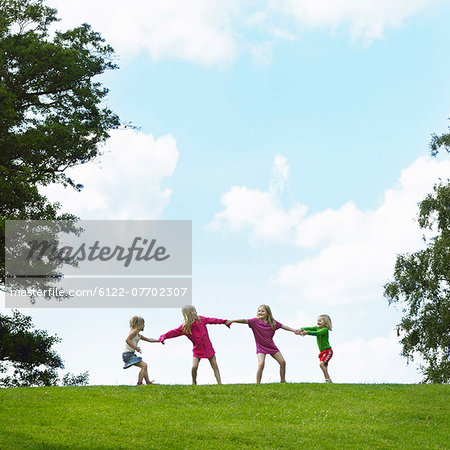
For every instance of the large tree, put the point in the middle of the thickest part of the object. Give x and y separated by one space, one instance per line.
52 115
422 284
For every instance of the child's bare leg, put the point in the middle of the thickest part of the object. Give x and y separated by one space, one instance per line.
324 366
146 378
215 368
143 372
279 358
195 363
261 361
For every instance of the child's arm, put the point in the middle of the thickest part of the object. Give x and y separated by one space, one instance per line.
171 334
285 327
245 321
213 321
314 331
130 342
148 339
305 330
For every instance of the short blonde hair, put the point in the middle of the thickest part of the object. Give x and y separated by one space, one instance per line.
327 321
136 322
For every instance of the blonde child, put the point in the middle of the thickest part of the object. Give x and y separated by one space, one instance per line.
264 327
129 356
324 325
194 328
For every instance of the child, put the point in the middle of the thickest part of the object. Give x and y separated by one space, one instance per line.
264 327
194 328
321 332
129 356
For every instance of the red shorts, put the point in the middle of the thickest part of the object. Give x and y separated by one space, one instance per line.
326 355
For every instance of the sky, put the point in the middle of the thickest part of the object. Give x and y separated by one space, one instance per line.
294 134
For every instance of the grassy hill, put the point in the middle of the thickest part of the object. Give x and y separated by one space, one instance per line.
230 416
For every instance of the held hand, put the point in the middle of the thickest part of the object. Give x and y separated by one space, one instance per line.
228 323
304 332
162 342
298 332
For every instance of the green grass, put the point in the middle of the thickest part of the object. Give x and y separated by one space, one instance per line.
230 416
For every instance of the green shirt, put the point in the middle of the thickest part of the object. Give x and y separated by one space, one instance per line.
321 335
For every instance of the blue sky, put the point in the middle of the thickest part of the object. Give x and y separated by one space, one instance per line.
328 104
294 134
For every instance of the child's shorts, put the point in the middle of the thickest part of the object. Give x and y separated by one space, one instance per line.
326 355
130 358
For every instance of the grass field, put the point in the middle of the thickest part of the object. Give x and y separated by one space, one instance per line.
231 416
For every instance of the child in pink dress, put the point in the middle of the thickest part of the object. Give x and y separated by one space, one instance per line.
264 327
194 328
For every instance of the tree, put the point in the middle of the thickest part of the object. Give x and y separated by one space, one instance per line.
422 285
439 142
70 379
26 355
52 115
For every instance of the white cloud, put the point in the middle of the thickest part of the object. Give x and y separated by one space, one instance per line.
216 32
126 181
196 30
279 176
364 19
262 212
353 250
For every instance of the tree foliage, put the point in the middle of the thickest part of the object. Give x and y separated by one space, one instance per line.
23 351
27 357
439 142
52 112
422 285
69 379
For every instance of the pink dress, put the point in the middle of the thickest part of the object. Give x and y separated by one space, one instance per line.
198 335
264 335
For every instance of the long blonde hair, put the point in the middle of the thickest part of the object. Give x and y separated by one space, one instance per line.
270 318
327 321
190 317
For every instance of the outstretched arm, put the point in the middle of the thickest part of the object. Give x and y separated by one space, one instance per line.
285 327
214 321
245 321
314 331
148 339
171 334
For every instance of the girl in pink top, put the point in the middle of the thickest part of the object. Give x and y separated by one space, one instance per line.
264 327
194 328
